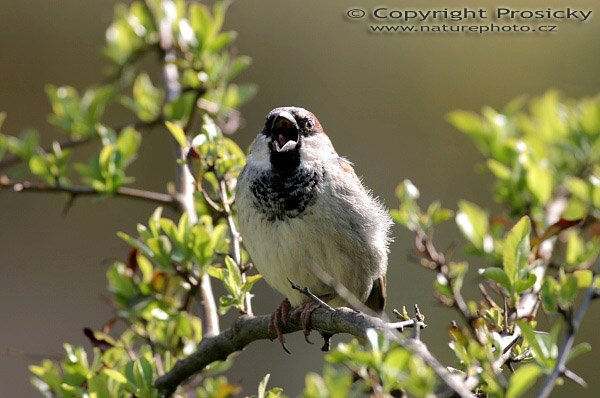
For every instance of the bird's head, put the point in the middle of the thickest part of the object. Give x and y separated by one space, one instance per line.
291 135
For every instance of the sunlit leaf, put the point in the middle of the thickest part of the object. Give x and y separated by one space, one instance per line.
177 133
516 249
522 380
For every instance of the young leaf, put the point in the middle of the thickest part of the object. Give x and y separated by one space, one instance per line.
177 133
473 223
497 275
522 285
522 380
515 254
128 143
540 181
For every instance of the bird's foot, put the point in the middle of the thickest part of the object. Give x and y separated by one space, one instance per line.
280 317
305 311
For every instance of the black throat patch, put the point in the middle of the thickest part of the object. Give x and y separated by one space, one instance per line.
286 162
279 194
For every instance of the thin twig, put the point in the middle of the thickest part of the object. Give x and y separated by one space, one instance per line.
418 318
428 251
574 377
487 296
561 361
400 326
236 252
79 190
342 291
311 295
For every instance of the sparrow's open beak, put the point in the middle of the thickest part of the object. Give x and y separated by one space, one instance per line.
284 132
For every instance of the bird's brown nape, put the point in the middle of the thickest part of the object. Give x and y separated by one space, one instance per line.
378 295
318 128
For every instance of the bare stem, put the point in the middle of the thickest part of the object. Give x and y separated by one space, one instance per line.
310 295
236 253
80 190
428 251
561 361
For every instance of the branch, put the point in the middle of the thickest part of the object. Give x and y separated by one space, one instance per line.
80 190
561 361
247 329
185 180
236 253
428 251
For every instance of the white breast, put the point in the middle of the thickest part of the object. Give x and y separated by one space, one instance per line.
332 235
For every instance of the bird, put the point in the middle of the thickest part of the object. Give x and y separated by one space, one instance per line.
304 213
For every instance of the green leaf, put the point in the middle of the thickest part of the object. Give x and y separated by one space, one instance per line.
575 249
145 369
578 187
215 272
315 386
234 275
238 65
467 122
39 166
548 294
584 278
200 20
177 133
540 181
245 93
24 146
442 287
515 253
497 275
522 380
568 290
221 41
262 387
148 99
436 214
499 169
531 340
180 109
115 375
522 285
250 281
473 223
128 143
579 349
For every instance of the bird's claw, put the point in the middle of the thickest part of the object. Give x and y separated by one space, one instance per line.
281 315
278 318
305 311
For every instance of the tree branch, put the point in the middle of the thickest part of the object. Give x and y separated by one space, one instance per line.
235 237
80 190
185 179
247 329
428 251
561 361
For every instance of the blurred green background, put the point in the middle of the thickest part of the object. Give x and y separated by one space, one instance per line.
381 98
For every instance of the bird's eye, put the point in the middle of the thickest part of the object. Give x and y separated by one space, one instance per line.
309 124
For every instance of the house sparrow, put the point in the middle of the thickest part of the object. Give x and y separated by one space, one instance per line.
301 207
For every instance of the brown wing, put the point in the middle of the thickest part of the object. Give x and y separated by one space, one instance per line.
378 295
